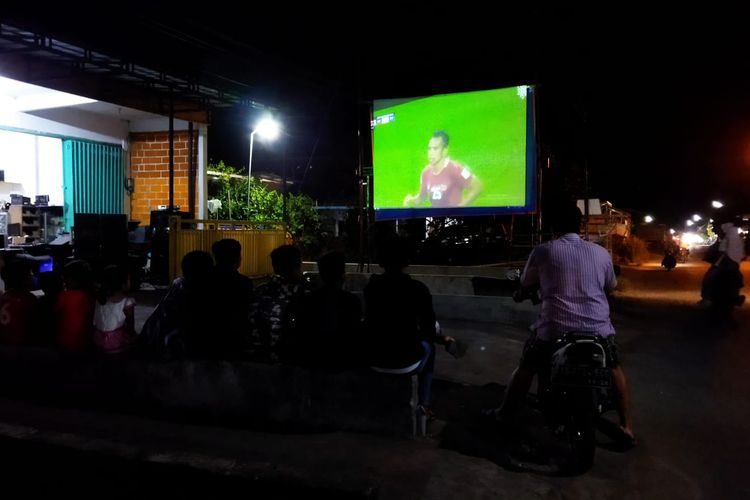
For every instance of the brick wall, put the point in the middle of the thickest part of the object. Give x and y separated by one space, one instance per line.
149 168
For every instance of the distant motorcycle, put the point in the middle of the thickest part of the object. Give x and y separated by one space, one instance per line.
669 262
683 256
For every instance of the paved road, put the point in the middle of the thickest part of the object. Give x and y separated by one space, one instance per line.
691 390
691 382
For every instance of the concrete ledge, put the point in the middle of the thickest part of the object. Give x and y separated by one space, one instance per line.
490 270
245 394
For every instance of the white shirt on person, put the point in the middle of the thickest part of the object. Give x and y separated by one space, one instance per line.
731 243
111 315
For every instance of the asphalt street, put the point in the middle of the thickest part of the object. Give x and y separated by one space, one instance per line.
690 386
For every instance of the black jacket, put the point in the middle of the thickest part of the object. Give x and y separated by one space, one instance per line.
398 317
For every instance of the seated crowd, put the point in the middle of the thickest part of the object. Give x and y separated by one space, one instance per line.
74 314
213 312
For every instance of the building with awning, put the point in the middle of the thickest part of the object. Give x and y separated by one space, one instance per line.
97 133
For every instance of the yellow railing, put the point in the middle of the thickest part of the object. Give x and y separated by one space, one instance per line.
257 240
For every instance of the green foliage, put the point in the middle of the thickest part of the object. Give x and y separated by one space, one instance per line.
264 204
302 219
230 190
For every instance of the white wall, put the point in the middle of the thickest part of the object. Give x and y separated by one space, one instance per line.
34 162
160 124
68 122
73 122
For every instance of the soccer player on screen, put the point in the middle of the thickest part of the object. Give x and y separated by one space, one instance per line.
444 182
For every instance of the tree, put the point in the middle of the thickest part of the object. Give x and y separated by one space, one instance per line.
302 219
264 205
231 192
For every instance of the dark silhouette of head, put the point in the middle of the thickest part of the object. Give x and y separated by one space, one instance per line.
287 261
51 283
227 253
17 275
723 215
332 267
393 254
197 266
114 279
564 217
78 275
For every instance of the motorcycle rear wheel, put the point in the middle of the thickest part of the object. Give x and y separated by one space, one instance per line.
579 434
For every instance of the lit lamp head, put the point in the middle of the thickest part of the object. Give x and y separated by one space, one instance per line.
268 128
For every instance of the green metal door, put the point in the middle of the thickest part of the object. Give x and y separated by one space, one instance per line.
93 179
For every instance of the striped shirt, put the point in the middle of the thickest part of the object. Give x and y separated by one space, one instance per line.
573 276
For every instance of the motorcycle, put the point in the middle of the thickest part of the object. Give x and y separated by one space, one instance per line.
683 255
669 262
575 393
722 285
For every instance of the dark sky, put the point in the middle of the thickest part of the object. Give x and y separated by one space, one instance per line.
651 103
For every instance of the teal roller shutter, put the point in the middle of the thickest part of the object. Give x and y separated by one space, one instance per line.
93 179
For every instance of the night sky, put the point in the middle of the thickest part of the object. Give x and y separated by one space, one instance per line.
651 104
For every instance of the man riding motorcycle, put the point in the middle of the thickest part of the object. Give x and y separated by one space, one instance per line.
573 277
723 280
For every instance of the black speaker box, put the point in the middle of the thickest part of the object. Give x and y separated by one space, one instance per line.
101 239
158 234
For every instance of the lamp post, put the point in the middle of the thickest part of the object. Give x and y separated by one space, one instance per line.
268 129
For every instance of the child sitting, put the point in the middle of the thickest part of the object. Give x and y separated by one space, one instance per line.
114 319
18 306
74 307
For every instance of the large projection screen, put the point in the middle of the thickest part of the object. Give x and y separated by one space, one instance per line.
459 154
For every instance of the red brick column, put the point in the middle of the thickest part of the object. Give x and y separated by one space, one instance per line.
149 168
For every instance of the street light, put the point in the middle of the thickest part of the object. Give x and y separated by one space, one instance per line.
268 128
648 219
717 204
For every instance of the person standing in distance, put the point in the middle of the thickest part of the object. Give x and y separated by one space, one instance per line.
444 182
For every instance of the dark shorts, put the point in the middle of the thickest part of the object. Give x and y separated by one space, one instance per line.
538 353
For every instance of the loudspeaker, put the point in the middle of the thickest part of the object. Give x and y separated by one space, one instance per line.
101 239
158 234
160 220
